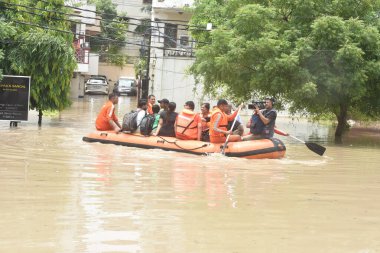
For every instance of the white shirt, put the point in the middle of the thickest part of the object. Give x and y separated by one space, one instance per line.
139 118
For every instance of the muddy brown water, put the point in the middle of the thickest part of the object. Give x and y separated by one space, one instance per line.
60 194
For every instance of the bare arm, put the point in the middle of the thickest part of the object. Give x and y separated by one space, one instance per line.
199 131
160 122
216 123
115 125
262 117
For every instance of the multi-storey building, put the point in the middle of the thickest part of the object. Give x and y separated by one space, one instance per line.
84 23
172 53
137 11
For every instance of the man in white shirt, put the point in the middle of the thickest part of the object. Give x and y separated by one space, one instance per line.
141 108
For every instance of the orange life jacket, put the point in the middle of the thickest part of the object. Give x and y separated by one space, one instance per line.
186 128
223 123
150 110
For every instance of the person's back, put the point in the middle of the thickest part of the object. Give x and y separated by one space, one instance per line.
106 119
167 121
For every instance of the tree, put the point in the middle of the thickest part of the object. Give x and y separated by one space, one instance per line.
41 48
6 32
318 56
112 37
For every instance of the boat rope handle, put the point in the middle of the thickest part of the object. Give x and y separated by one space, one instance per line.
175 143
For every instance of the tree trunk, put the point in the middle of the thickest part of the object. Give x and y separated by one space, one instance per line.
40 117
342 123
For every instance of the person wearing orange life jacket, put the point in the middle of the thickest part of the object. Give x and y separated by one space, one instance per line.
151 102
107 119
219 123
205 117
188 123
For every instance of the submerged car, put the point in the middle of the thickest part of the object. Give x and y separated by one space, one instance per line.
126 85
96 85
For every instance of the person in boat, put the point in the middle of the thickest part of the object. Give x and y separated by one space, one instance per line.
219 122
167 121
188 124
141 109
106 119
156 110
164 104
262 123
151 102
238 127
205 117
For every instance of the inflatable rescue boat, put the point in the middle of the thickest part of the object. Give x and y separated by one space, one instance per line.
256 149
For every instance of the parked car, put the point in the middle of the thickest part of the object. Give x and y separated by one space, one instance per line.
96 85
126 85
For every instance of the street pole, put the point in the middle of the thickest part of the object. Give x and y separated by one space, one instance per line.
145 81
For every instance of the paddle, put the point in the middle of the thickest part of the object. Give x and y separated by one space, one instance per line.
318 149
232 127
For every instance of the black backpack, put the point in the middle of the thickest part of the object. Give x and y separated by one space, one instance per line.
146 125
130 121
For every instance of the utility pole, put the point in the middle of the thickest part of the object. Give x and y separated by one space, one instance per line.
146 76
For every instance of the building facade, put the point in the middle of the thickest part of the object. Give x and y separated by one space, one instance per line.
84 24
172 52
138 11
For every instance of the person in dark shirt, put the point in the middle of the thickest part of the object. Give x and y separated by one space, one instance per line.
262 122
167 121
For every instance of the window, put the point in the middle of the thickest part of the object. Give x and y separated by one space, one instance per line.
170 39
147 1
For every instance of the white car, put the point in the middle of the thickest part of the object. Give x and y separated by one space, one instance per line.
96 85
126 85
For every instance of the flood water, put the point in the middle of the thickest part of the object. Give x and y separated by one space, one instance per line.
60 194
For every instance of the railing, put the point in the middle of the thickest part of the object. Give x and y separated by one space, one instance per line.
179 52
82 55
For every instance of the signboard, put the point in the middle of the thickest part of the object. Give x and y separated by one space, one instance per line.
14 98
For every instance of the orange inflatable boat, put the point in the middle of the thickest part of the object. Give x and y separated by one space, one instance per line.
266 148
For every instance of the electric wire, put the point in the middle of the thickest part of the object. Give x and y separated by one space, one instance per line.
93 25
104 39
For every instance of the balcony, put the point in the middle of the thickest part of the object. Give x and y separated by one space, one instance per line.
172 4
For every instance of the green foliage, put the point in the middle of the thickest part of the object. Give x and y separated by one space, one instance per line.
50 61
45 55
140 65
318 56
6 33
113 34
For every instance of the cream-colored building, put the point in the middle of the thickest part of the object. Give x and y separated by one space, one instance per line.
172 53
136 10
87 62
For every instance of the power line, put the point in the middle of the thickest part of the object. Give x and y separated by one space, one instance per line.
105 39
126 17
95 18
80 22
130 43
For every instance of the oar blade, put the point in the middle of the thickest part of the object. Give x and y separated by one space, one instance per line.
318 149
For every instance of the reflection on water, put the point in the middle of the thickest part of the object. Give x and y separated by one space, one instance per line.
60 194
